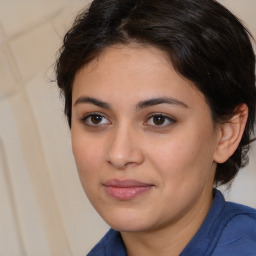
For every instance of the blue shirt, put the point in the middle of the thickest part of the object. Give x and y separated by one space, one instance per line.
228 230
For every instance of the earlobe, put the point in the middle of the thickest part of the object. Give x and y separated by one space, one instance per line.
231 133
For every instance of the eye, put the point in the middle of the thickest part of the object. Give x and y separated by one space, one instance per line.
159 121
95 120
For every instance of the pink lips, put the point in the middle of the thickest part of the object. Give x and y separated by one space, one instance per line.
126 189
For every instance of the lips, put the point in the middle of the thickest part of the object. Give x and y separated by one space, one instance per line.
126 189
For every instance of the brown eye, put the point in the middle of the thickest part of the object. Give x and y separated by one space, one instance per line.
159 120
96 119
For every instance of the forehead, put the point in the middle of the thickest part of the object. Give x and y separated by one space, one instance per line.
129 57
132 73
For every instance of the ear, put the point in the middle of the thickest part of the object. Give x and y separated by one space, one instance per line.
231 133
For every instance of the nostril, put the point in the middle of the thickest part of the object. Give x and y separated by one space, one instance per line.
131 159
130 164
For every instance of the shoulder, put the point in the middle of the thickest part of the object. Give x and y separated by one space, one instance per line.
110 244
99 248
240 218
238 236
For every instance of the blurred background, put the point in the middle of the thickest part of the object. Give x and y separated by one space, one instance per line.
43 210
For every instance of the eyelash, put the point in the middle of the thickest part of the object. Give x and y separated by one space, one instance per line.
84 120
169 119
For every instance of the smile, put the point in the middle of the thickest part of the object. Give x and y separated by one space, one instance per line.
126 189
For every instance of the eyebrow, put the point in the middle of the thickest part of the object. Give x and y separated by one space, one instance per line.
157 101
93 101
138 106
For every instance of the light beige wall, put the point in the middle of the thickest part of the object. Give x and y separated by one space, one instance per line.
43 210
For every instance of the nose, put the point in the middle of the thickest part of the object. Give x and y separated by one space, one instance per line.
124 149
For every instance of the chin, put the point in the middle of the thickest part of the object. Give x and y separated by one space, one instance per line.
126 222
128 227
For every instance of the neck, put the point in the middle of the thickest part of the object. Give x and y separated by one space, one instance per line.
172 238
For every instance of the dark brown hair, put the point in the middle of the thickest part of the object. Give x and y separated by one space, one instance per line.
206 43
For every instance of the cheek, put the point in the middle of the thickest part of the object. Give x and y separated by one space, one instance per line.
172 154
87 154
186 155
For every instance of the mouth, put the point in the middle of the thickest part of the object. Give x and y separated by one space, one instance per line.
126 189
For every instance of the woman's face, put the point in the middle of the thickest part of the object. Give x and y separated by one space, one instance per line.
143 140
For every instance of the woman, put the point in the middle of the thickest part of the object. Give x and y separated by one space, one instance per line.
160 98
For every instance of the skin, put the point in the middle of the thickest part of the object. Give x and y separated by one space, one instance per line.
121 140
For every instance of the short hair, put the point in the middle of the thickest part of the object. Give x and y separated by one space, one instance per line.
206 43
